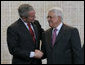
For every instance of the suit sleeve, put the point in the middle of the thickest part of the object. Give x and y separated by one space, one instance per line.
76 46
43 47
13 45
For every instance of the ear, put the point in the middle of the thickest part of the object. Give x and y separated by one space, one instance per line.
59 18
24 18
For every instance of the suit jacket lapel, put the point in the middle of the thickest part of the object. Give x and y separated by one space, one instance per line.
36 34
49 37
61 32
23 27
35 30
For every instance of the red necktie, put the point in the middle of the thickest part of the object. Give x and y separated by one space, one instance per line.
31 32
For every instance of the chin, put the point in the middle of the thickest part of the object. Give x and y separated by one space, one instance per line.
51 26
32 21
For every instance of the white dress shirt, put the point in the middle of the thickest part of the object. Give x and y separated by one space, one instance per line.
58 28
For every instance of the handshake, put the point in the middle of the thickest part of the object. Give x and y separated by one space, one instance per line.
38 54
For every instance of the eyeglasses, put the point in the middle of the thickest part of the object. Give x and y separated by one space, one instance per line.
32 16
50 17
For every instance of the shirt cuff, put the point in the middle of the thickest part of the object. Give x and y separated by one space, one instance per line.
32 54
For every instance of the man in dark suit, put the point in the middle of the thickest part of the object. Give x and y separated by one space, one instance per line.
23 37
61 42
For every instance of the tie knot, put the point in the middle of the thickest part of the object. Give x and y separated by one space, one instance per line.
28 24
55 30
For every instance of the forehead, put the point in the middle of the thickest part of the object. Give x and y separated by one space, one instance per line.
31 12
51 13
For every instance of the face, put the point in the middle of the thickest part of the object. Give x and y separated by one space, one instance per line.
31 16
53 20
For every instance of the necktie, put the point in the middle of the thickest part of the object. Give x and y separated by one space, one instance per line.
31 32
54 37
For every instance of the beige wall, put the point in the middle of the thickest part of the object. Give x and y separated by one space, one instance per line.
73 15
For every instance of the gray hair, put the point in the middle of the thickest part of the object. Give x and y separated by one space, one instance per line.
58 11
24 9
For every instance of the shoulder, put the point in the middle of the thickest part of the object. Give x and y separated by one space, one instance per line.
38 25
67 27
48 31
14 25
36 22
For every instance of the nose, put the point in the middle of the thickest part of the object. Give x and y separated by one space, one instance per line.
48 18
33 16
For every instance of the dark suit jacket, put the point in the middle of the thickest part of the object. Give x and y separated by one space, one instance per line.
82 54
20 42
66 49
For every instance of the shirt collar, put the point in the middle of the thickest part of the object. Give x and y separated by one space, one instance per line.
24 21
59 26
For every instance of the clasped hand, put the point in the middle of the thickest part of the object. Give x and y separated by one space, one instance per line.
38 54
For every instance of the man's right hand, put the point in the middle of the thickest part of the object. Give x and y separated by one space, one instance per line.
38 54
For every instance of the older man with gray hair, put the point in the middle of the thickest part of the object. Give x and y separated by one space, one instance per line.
23 37
61 43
